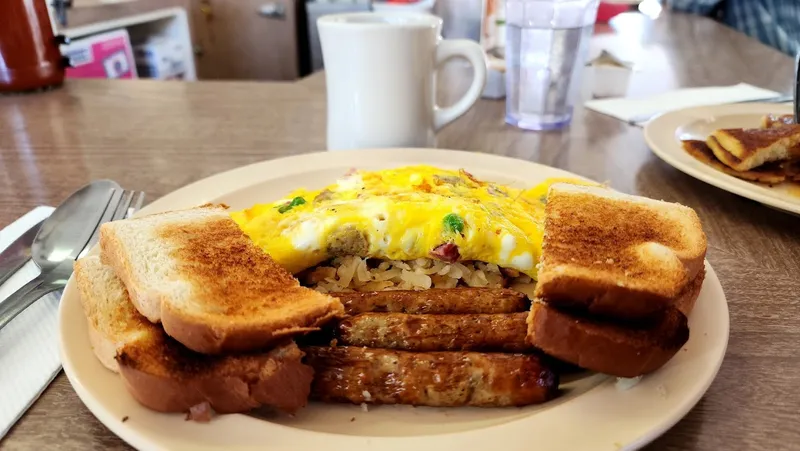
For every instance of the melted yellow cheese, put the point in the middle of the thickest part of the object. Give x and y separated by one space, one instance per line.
400 215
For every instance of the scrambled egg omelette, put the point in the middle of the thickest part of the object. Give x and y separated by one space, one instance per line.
403 214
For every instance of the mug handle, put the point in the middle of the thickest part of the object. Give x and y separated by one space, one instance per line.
472 52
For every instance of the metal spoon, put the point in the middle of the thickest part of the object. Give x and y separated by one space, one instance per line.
65 233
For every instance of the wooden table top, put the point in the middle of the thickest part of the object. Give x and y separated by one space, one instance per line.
159 136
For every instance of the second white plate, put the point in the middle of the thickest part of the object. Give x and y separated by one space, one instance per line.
664 134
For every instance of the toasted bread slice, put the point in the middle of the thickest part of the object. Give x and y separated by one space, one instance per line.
611 348
700 150
209 285
686 299
616 255
113 321
165 376
755 146
604 346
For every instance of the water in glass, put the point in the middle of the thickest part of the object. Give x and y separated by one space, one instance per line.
546 47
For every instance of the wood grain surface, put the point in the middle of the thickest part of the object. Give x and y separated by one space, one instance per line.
159 136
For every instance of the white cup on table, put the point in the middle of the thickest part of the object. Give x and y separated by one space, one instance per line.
380 70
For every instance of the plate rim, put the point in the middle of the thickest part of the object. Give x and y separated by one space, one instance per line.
409 156
656 129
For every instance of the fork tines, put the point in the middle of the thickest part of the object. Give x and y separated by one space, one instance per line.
121 205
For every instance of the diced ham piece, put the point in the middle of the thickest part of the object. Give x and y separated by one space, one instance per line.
447 252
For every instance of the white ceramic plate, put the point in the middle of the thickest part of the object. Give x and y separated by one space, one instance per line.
664 134
592 415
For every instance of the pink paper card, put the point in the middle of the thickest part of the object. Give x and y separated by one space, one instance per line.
106 55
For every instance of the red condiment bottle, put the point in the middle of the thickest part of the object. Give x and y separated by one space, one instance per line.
29 55
607 11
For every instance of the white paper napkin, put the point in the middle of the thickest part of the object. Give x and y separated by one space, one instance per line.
29 344
634 110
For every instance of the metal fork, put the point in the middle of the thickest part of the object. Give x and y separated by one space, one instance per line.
642 119
121 205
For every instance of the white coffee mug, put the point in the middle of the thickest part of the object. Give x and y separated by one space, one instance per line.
380 70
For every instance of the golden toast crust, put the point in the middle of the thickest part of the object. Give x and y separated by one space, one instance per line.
606 347
616 349
164 375
617 257
239 300
686 299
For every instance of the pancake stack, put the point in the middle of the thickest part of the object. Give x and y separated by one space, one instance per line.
770 154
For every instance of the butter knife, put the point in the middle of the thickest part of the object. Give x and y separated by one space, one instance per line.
642 119
18 253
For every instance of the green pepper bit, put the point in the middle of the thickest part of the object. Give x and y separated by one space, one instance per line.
291 204
453 223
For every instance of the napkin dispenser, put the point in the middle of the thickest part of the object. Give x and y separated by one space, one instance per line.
30 58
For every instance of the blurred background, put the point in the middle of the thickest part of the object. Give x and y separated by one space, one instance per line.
245 39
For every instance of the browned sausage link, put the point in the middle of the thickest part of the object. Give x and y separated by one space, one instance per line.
437 300
440 379
482 332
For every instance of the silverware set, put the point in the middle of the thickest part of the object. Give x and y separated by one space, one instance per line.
54 244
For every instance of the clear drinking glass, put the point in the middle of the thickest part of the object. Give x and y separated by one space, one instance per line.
546 47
